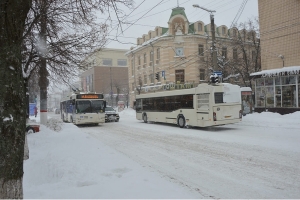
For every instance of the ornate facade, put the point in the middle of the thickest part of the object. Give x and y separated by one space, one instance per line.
180 53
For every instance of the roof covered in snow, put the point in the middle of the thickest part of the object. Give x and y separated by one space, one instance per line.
292 70
246 89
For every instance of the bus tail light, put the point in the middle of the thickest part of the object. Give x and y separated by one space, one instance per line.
241 114
214 116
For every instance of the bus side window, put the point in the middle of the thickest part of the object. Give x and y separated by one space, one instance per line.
138 105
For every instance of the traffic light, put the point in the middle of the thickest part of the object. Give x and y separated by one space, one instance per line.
216 79
157 76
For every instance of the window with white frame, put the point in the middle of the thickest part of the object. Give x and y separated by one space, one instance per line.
201 50
122 62
107 61
200 27
151 58
179 76
132 66
157 55
202 74
145 59
151 78
223 30
234 32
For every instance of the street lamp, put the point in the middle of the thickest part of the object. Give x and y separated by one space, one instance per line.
282 57
212 27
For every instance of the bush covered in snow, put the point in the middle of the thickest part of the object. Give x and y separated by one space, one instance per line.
54 124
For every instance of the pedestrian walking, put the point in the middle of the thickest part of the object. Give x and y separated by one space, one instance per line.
35 111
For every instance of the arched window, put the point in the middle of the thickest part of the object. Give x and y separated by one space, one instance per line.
234 33
223 30
200 27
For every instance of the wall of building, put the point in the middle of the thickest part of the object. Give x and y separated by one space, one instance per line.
190 62
279 33
110 79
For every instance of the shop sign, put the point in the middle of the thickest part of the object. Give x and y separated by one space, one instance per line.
284 73
170 86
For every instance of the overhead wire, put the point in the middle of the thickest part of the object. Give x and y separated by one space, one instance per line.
238 15
139 18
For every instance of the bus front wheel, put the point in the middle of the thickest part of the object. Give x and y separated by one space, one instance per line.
181 121
145 118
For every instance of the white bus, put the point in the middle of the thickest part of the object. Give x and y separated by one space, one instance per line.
201 106
83 108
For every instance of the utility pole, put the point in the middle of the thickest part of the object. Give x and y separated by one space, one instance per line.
212 27
43 73
111 91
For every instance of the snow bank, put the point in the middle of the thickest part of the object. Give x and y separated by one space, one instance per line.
272 120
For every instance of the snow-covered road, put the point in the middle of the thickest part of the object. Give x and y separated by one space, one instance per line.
245 160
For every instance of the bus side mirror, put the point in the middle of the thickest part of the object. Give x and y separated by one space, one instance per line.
104 104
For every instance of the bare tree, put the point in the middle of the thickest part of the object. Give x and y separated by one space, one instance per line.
245 51
65 32
237 55
70 33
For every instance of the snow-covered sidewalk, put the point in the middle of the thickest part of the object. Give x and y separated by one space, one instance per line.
70 164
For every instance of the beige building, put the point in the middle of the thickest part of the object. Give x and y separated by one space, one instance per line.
280 33
178 54
107 72
278 84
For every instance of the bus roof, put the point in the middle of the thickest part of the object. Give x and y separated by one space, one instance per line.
201 88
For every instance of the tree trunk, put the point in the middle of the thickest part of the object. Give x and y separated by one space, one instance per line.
43 80
11 189
13 14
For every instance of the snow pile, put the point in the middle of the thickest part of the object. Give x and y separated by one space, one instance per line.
272 120
127 112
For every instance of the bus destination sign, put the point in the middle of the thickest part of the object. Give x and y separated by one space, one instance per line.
89 96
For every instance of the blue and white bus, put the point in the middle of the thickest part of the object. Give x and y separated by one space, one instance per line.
83 108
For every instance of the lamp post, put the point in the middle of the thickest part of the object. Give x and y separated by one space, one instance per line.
212 27
282 57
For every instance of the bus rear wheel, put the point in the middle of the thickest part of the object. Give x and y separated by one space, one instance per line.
181 121
145 118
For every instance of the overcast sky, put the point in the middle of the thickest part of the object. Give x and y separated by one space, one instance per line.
147 14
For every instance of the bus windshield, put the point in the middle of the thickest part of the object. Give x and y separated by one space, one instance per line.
89 106
97 105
